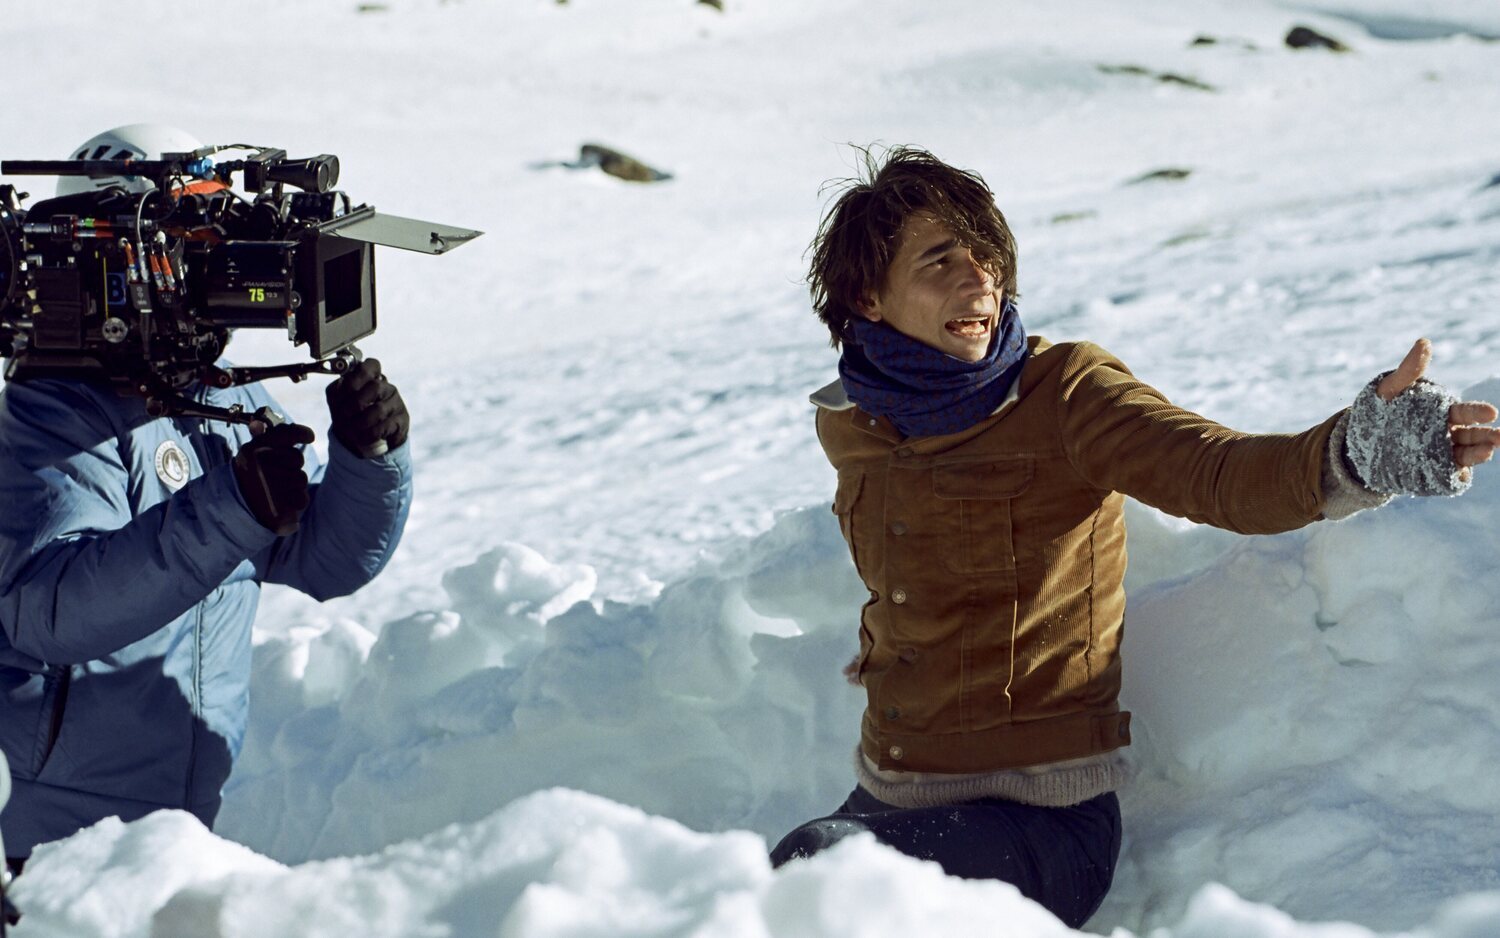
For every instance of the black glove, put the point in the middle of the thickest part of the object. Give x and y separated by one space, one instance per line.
269 472
368 414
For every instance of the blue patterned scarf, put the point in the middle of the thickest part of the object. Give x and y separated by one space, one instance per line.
923 391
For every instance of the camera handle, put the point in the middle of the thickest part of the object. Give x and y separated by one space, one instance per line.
337 364
163 401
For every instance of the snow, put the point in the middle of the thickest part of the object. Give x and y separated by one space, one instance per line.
602 672
554 863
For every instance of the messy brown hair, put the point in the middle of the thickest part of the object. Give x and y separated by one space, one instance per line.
859 234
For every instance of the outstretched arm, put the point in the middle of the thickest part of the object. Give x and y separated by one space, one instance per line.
1125 436
1404 435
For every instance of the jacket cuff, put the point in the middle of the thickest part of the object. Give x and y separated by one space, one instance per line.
1343 495
395 462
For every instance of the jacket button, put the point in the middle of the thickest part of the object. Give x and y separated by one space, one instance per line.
893 713
897 753
904 451
899 528
898 596
907 655
872 421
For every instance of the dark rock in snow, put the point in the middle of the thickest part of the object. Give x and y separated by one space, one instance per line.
1169 174
1186 237
1184 80
611 161
1207 40
1062 218
716 4
617 164
1165 77
1305 37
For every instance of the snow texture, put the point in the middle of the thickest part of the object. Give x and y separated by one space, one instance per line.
1402 446
602 672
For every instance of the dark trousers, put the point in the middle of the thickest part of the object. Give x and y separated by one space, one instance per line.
1062 858
8 913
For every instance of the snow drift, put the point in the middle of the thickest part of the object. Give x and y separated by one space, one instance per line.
1295 745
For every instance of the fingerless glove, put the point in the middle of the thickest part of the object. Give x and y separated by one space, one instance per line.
1403 446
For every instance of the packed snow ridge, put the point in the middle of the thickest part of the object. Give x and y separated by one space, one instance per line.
1295 747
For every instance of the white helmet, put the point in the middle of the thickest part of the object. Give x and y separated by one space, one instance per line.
133 142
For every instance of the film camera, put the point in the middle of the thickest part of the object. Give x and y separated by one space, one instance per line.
141 288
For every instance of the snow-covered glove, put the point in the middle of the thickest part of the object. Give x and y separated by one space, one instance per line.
1403 446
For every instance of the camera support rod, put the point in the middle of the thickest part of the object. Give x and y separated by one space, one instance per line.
165 402
336 364
162 400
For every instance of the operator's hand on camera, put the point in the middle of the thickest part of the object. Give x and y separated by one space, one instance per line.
368 414
1409 436
269 472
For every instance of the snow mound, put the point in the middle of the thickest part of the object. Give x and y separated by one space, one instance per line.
1292 741
563 864
718 704
555 863
107 881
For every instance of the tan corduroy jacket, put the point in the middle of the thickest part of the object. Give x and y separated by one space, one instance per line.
995 557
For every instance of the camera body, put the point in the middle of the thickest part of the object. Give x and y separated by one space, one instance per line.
141 288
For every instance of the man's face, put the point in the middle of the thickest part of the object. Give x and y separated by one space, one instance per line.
935 292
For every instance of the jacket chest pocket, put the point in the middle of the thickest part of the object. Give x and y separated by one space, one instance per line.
976 500
851 484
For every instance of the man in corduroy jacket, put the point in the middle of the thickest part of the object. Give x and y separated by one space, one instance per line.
981 482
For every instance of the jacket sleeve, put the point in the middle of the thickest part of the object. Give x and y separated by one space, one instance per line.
1123 435
81 576
352 525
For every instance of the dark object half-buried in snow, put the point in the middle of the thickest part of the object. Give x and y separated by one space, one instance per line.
609 160
1305 37
617 164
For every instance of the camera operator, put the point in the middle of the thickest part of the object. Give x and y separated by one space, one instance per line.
132 549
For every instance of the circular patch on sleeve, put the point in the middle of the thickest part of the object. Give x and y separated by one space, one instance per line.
172 466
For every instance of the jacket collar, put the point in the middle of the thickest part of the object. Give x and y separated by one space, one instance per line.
831 396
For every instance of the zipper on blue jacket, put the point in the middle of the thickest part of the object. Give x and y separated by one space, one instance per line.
207 456
197 707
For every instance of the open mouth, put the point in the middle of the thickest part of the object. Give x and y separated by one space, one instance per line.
969 327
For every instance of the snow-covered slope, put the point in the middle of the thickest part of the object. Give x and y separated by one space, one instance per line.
621 578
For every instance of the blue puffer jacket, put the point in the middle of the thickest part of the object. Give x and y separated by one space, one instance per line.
126 606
